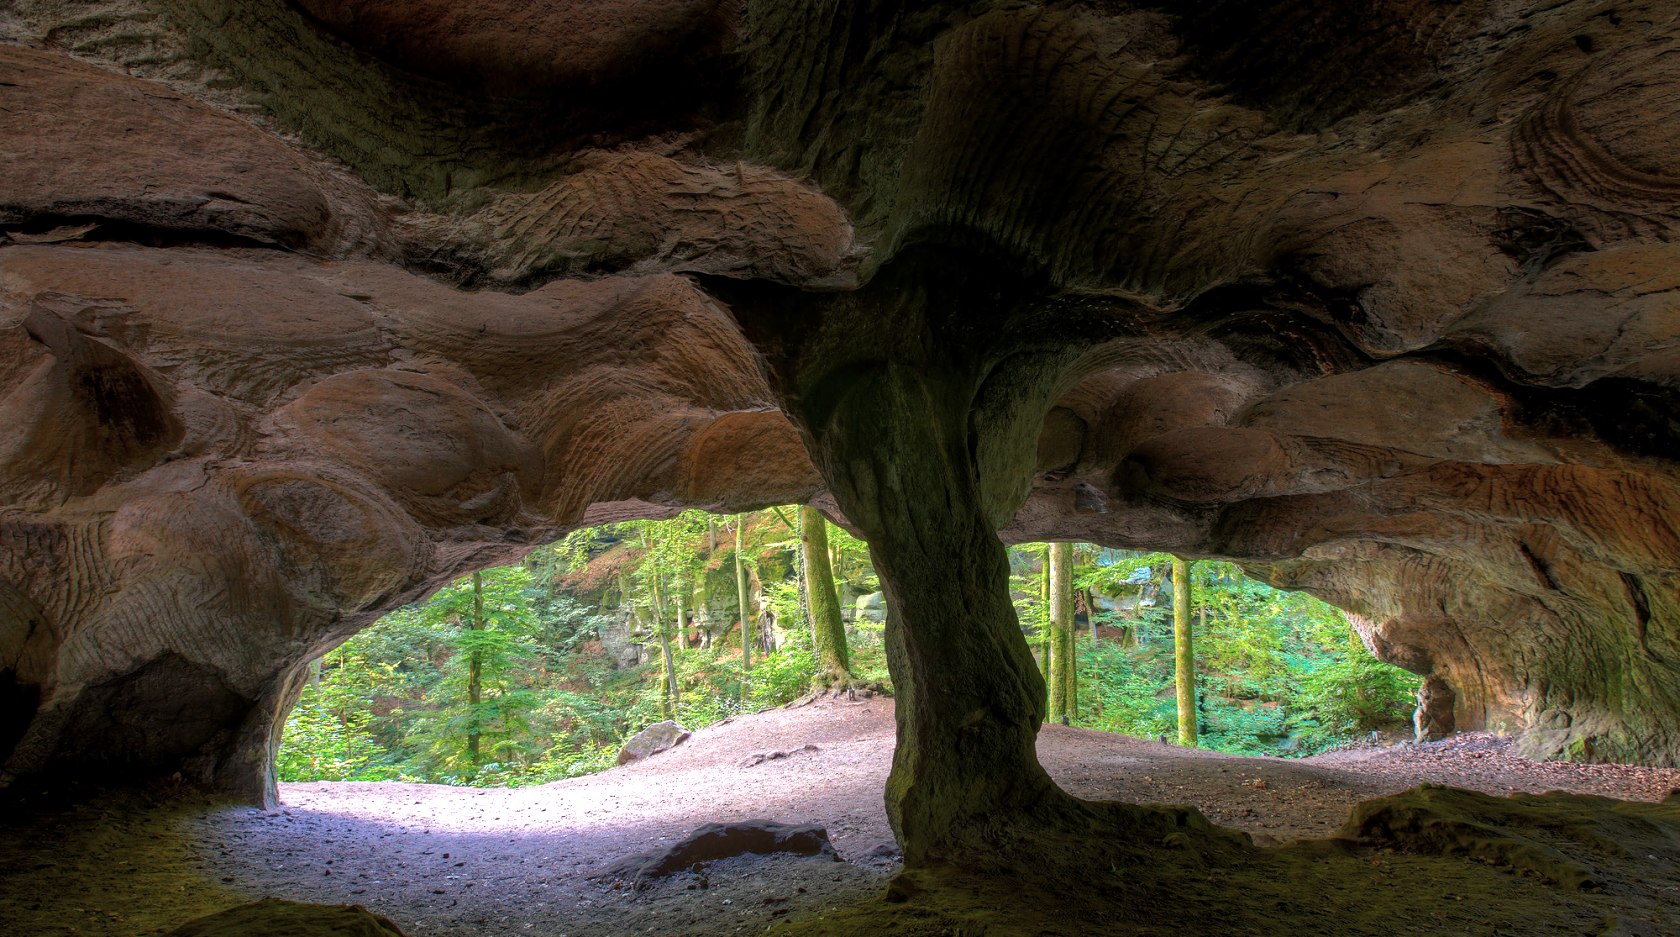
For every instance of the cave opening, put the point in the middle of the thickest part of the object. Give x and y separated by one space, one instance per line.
567 646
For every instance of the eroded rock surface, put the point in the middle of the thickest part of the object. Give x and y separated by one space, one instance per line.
322 304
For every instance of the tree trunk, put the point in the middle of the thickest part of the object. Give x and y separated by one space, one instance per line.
1062 703
1184 653
475 673
668 676
802 580
827 629
1046 631
669 703
682 613
741 594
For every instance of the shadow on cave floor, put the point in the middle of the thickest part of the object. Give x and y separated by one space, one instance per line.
458 861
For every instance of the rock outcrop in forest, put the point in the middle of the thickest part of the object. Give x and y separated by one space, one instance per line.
307 308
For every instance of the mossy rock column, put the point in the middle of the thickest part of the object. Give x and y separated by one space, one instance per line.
970 697
925 431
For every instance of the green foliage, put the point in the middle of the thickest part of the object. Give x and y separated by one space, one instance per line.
330 735
782 677
852 563
1120 689
783 599
1281 673
392 701
1353 695
504 646
1027 589
869 654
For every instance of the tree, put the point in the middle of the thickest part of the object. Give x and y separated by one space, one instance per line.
1184 653
741 592
480 707
332 733
828 631
475 672
653 571
669 555
1046 631
1063 701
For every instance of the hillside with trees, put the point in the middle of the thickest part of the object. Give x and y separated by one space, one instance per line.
537 671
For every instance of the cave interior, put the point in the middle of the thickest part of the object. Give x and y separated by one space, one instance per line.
308 308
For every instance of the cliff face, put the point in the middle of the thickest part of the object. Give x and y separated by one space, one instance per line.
322 304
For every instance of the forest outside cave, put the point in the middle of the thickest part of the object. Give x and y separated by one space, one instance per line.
567 649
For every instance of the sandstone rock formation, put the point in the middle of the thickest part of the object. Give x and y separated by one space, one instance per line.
321 305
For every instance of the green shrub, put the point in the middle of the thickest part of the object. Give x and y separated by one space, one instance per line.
1278 673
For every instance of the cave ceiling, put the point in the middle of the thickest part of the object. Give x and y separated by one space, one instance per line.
307 308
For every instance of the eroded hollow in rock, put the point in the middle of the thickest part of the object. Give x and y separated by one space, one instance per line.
1133 274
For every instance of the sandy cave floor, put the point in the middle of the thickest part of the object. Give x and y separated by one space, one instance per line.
460 861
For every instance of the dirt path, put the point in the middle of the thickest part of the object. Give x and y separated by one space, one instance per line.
454 861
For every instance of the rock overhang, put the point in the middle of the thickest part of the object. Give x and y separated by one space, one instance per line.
1408 342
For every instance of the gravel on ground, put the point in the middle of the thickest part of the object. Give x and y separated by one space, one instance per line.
462 861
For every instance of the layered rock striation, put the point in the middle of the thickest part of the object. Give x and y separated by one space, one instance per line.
308 308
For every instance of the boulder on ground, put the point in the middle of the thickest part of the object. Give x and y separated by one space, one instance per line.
716 841
661 736
272 917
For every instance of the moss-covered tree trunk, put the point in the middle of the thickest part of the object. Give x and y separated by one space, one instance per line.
475 673
741 594
828 631
1184 653
682 613
668 673
1046 632
1062 701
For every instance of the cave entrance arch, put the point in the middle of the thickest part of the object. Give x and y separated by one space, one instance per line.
566 647
539 670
